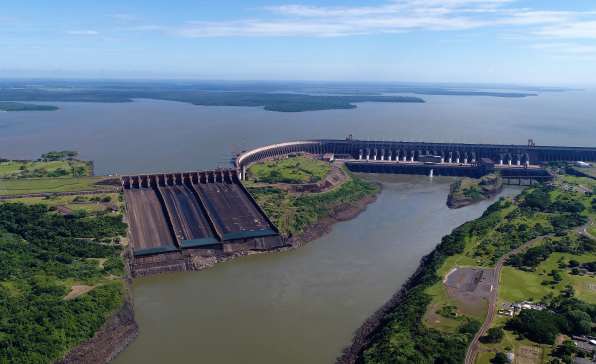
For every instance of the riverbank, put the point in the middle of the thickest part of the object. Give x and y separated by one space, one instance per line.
340 212
447 315
471 190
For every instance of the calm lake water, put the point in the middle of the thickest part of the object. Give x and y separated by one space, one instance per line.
300 306
152 136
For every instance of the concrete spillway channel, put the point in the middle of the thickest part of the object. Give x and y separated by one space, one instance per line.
149 223
188 219
179 215
231 211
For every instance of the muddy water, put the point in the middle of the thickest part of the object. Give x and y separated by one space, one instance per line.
300 306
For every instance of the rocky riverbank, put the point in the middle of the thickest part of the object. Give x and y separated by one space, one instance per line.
470 190
342 212
366 333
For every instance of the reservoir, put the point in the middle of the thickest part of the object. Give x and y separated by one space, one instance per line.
299 306
152 136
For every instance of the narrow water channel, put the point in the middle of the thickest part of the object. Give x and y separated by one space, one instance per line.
300 306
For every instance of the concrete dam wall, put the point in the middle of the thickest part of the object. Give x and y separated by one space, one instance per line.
414 151
175 216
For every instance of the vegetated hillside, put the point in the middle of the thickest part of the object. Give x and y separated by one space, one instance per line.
471 190
503 227
15 106
42 256
292 213
270 101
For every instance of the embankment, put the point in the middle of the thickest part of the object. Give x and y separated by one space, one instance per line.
343 212
470 191
365 334
119 330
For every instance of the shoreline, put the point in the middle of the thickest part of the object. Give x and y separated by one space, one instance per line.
365 334
120 329
454 203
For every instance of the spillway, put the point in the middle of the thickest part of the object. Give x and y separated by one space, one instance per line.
233 214
150 229
176 217
188 219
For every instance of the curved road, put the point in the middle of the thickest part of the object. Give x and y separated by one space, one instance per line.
493 299
471 354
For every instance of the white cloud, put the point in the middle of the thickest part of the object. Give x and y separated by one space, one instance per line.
580 29
396 16
82 32
127 16
565 47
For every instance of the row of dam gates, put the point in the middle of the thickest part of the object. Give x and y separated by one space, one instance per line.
177 216
413 151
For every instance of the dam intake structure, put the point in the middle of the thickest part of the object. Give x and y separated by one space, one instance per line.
440 153
177 216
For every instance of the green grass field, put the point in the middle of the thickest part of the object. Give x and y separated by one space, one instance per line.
591 230
288 169
87 208
512 341
11 170
13 167
51 185
518 285
59 200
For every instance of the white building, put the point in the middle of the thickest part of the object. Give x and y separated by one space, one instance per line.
582 164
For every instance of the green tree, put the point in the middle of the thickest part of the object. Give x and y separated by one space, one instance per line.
501 358
568 347
495 334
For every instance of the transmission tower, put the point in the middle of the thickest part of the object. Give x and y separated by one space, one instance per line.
2 187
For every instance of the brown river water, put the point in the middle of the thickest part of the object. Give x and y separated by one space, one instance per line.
300 306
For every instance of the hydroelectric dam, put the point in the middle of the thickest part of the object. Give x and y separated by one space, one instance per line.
184 220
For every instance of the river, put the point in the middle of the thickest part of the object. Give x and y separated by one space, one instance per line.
300 306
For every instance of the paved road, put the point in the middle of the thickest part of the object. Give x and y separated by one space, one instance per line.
582 229
470 356
493 298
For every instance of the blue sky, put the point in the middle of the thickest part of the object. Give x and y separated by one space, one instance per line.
529 41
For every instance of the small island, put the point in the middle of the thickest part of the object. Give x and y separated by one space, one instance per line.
472 190
17 106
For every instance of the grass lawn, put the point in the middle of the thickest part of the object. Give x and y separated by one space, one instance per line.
60 200
13 169
511 340
50 185
517 285
592 230
87 208
287 169
483 357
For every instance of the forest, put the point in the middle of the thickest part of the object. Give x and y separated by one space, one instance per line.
16 106
43 255
270 101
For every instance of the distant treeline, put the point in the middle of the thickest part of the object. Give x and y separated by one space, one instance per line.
15 106
424 91
270 101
